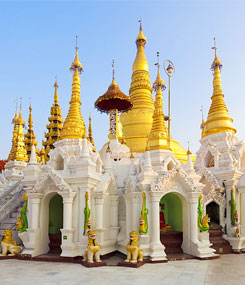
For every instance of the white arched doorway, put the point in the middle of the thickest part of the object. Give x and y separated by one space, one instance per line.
174 234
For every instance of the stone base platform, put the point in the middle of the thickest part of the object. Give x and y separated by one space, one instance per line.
133 265
94 264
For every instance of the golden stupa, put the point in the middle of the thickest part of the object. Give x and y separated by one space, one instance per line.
137 122
218 120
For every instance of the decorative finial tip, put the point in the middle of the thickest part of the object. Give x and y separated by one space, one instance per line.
76 43
113 69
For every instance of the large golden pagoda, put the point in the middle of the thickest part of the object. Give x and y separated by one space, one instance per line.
19 152
158 138
218 120
29 137
137 122
55 124
74 126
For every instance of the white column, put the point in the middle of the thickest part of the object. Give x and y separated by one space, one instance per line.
114 211
229 185
67 215
242 212
135 213
156 247
193 206
128 215
35 209
99 213
67 246
155 220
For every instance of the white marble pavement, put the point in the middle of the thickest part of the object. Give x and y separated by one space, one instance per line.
229 269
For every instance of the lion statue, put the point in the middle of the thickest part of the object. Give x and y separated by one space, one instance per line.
93 249
8 246
205 221
134 254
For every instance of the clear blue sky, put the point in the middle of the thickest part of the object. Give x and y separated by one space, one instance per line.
38 39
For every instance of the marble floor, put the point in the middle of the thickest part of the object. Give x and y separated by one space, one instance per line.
229 269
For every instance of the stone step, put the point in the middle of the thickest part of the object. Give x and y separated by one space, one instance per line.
221 245
172 241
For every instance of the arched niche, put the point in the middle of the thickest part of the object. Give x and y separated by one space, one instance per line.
213 211
59 163
209 160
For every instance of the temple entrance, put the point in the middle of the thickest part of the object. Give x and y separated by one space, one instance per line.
171 223
55 224
221 245
212 210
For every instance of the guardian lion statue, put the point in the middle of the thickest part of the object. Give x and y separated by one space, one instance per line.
8 246
134 254
93 249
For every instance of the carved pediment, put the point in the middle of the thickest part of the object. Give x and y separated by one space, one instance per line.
55 177
176 176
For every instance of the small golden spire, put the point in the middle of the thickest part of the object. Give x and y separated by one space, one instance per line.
131 155
159 133
55 124
15 133
19 151
30 138
90 136
218 120
108 148
188 151
74 126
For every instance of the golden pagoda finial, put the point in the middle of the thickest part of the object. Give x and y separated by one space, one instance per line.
56 86
159 133
76 64
90 136
218 120
159 82
74 126
113 70
140 62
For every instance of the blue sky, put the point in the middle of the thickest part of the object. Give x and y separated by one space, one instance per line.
38 40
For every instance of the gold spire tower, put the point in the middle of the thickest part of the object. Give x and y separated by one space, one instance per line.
218 120
137 122
15 133
19 152
158 138
90 136
74 126
30 138
55 124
